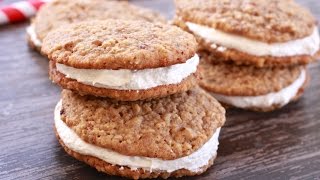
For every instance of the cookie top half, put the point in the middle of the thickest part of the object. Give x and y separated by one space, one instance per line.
58 13
267 21
166 128
119 44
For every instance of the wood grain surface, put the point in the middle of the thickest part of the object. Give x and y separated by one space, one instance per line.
280 145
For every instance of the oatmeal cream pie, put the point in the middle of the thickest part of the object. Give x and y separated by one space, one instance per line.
58 13
253 32
124 60
249 87
172 136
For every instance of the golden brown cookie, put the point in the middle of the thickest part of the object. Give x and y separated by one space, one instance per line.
119 44
250 87
174 126
59 13
125 60
170 129
260 33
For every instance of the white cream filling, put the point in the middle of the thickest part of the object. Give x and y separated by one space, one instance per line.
305 46
193 162
33 36
124 79
280 98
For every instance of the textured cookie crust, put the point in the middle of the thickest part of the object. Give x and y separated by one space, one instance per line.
115 170
166 128
268 21
119 44
121 95
228 79
63 12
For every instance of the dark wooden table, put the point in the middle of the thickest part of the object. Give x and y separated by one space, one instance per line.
280 145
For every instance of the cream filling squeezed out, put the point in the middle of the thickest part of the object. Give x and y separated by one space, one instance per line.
280 98
193 162
124 79
305 46
33 36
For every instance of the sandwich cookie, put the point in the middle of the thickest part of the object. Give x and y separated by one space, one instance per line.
249 87
124 60
58 13
172 136
261 33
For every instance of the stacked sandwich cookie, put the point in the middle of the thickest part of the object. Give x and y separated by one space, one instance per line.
130 106
58 13
253 53
122 60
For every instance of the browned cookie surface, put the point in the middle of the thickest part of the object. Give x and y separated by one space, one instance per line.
228 79
63 12
119 44
166 128
268 21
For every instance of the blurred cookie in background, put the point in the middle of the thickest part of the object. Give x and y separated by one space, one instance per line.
249 87
58 13
259 33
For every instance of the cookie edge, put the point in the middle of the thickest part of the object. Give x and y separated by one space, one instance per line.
116 170
274 106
